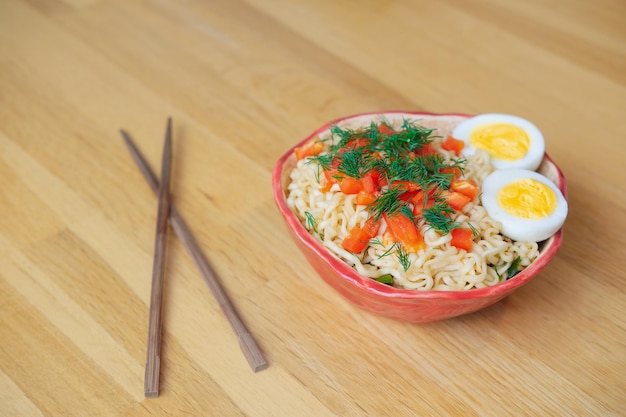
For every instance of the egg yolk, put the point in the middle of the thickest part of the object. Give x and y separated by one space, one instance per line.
527 198
501 140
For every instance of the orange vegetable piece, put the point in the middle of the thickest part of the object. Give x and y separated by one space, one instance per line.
467 187
427 149
359 237
350 185
370 182
405 185
385 130
364 198
422 201
454 171
404 231
357 143
331 176
456 200
462 238
452 144
409 187
418 209
310 148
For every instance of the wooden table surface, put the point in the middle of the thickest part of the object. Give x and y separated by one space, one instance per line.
244 80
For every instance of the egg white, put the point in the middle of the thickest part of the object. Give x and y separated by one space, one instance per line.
536 149
514 227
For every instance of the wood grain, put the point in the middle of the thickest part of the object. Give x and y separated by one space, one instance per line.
244 81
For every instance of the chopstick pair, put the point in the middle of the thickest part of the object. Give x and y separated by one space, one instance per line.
248 345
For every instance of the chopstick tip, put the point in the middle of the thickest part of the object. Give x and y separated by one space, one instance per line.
251 351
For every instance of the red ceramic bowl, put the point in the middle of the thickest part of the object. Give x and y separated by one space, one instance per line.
406 305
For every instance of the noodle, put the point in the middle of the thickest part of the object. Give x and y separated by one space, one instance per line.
330 215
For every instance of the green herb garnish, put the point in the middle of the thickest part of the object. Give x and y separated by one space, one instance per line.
386 279
324 160
311 223
403 257
439 217
352 163
497 273
388 202
399 158
514 268
475 231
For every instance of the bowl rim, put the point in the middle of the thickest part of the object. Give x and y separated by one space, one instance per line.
370 285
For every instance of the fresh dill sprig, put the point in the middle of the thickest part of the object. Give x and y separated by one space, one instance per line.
497 273
318 174
388 202
411 137
398 169
439 218
388 252
342 134
376 242
459 164
352 162
311 223
324 160
397 248
403 257
414 127
408 213
429 171
402 253
475 231
372 133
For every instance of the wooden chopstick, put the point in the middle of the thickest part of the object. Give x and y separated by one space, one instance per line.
153 360
248 345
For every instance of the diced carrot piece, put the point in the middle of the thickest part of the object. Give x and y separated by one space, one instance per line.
407 196
427 149
309 149
454 171
455 199
385 130
369 183
371 227
423 200
467 187
364 198
462 238
350 185
331 176
359 237
375 175
405 185
405 231
357 143
409 187
419 204
356 241
382 180
452 144
326 187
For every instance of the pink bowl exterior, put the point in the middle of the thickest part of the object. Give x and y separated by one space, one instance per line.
405 305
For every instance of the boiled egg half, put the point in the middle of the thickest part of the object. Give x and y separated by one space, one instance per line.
510 141
529 206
